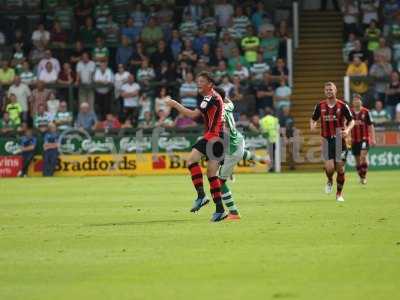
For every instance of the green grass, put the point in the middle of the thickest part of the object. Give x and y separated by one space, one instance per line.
133 238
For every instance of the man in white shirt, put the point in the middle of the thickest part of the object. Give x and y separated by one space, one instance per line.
41 36
104 79
84 78
48 74
22 92
48 58
130 95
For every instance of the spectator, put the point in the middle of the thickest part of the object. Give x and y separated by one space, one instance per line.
269 43
86 119
250 44
100 52
131 31
7 74
40 95
58 36
139 54
188 27
384 50
380 71
52 106
14 110
151 35
48 58
84 78
264 94
188 92
221 71
358 69
241 71
42 119
48 75
237 95
226 85
22 93
258 69
194 9
280 71
6 124
101 11
111 122
359 52
393 94
83 10
282 96
188 54
183 122
369 9
138 15
208 24
389 10
286 123
260 16
67 75
379 114
145 73
104 79
37 53
76 54
227 44
166 73
200 41
223 12
372 34
235 60
18 58
124 52
269 128
41 35
351 14
88 33
50 150
162 54
176 44
207 56
27 76
64 15
164 121
111 31
147 121
63 118
166 18
120 78
160 101
240 22
130 94
201 66
145 105
28 145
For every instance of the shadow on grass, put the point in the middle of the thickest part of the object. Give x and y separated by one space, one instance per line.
130 223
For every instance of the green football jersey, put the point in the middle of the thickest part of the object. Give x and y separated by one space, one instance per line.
234 135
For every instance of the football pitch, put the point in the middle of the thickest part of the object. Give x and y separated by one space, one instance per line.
134 238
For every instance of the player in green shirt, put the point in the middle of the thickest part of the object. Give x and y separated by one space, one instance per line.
235 153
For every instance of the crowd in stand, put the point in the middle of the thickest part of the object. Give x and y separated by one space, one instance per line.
111 64
372 51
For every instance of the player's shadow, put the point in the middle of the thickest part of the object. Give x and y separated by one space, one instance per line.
131 223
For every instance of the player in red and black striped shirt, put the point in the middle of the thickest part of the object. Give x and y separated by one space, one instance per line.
211 145
362 135
336 123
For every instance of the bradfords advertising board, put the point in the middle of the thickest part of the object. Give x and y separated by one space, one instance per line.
10 165
380 158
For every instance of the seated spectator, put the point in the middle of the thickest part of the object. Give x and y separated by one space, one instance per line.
83 10
101 10
163 120
182 122
6 124
260 16
372 34
162 54
41 35
130 95
23 94
238 96
254 125
87 33
236 59
188 92
145 105
226 85
200 40
258 68
188 27
145 73
52 106
280 71
160 101
124 52
393 94
147 121
138 15
358 69
384 50
48 58
358 51
241 71
264 94
27 76
188 54
166 73
240 22
176 44
389 10
76 54
63 118
48 75
151 35
104 79
269 43
380 72
42 119
86 119
201 66
18 58
351 14
37 54
221 71
250 44
349 46
208 24
7 74
50 150
14 110
58 36
111 31
379 114
64 15
100 53
182 70
282 96
227 44
138 56
67 75
223 12
28 144
369 9
39 96
131 31
111 122
207 56
165 15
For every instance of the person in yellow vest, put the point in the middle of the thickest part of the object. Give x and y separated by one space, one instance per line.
359 69
269 126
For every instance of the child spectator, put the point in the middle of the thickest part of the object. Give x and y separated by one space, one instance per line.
63 118
111 122
14 109
42 119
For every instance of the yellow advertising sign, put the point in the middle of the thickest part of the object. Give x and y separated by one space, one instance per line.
129 165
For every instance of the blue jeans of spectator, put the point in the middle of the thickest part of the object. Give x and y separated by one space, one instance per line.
50 158
27 158
391 109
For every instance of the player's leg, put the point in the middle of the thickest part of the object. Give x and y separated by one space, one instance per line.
356 151
340 179
329 167
358 165
251 156
225 172
364 166
215 189
197 178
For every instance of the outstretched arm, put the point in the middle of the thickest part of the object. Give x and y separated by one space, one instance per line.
183 110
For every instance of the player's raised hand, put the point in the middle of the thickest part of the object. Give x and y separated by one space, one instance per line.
170 102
